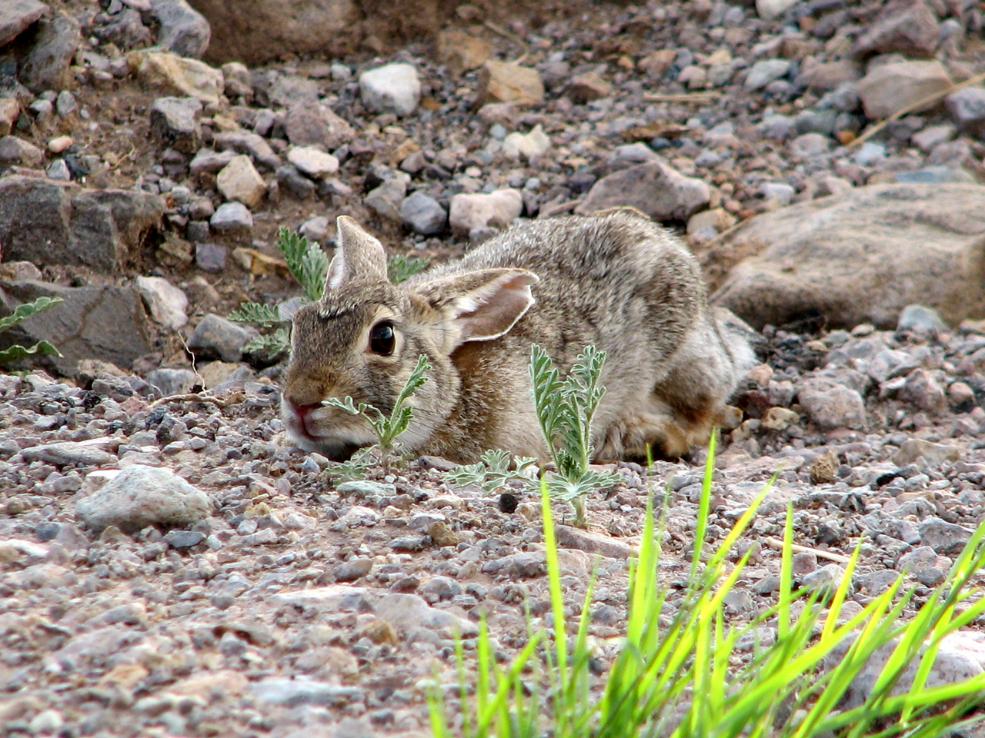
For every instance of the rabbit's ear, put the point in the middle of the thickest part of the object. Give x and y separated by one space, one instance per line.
359 256
482 305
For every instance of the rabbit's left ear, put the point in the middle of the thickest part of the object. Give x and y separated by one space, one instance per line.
479 306
359 257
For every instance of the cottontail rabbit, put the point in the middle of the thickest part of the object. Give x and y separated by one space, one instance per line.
615 280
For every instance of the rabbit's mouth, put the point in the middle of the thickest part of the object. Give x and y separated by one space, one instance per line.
314 433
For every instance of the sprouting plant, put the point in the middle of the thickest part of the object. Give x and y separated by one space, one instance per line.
401 268
565 408
388 428
680 671
306 262
493 471
21 313
355 468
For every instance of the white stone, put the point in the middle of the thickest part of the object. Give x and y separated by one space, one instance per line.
167 304
393 88
144 495
313 162
530 145
770 9
497 209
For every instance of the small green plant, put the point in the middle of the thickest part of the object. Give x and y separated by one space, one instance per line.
495 470
308 264
401 268
565 408
680 673
388 428
21 313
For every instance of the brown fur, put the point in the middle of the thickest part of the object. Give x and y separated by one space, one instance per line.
615 280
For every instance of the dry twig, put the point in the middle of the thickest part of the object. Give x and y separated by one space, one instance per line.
837 558
939 95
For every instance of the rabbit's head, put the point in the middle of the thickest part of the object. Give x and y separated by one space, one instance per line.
364 337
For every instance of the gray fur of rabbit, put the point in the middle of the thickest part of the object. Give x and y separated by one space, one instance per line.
615 280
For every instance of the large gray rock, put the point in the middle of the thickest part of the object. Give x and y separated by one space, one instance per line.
215 336
653 188
906 26
107 323
48 222
308 124
897 85
861 257
16 16
183 29
140 496
46 65
261 30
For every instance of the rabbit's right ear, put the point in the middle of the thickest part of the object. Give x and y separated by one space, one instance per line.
359 256
479 306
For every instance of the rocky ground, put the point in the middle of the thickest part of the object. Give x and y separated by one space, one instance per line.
172 566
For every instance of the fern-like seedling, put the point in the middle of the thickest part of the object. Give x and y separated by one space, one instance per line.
401 268
565 408
21 313
388 428
493 472
306 262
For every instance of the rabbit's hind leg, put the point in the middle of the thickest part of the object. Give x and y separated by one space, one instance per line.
652 431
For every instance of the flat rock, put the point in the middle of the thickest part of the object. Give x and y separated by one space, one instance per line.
71 453
313 162
473 212
654 188
861 257
143 495
506 82
308 124
240 181
392 88
107 323
913 450
583 540
302 690
16 16
177 74
897 85
48 222
183 29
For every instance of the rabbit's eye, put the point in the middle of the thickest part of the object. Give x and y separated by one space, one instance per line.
382 338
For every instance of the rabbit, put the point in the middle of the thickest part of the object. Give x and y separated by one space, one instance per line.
614 279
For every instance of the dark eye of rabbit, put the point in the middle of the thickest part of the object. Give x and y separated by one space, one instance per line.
381 338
